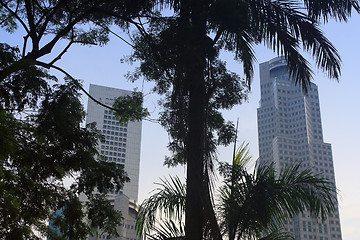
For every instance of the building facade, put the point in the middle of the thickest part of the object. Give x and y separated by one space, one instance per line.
122 144
129 209
289 130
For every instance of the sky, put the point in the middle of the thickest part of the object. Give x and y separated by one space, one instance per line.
339 106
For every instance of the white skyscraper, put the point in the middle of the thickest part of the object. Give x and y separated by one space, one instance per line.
289 130
122 143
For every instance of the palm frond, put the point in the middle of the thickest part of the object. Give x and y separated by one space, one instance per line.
250 204
168 230
242 157
283 26
291 192
278 234
338 9
168 199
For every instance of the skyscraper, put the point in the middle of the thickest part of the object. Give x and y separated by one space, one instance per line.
289 130
122 145
122 142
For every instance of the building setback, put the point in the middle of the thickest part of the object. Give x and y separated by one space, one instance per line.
121 145
289 130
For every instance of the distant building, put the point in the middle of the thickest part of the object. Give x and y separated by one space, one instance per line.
129 210
122 145
289 130
122 142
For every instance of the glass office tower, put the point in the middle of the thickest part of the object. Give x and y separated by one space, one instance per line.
289 130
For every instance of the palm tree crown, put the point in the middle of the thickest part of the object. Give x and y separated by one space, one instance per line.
250 205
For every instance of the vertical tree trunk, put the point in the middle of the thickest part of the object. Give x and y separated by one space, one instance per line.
193 214
194 75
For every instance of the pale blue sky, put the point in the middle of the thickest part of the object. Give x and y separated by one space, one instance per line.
339 105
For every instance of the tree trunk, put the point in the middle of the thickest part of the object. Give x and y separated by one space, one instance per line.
194 75
193 214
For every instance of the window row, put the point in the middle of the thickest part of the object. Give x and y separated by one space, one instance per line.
114 133
113 148
114 128
115 138
118 144
110 153
116 123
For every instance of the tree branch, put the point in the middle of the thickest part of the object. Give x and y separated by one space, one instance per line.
16 16
47 65
30 18
218 35
116 35
44 14
25 44
49 15
49 46
62 53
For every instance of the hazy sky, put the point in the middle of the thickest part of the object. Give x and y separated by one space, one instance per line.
339 106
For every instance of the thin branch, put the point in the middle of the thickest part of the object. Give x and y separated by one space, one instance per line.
143 33
46 65
16 16
68 46
115 34
40 7
49 46
44 14
152 120
30 18
62 53
218 35
25 44
8 16
148 38
5 20
74 177
49 15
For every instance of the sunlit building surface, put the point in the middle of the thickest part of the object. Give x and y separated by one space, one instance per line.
122 143
289 130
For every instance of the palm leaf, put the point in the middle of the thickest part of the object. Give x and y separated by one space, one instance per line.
242 156
168 230
168 199
250 204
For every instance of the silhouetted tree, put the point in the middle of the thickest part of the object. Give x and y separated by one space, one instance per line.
179 50
42 141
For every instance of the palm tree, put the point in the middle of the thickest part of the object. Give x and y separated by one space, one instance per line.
196 32
250 204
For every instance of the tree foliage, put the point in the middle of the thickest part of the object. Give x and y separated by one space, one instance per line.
42 140
251 205
180 52
41 149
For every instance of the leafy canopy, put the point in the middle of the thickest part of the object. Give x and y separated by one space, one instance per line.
42 137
